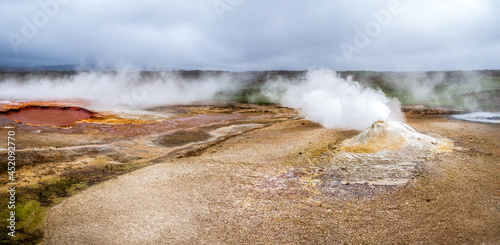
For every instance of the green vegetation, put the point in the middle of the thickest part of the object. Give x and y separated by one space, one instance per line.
31 207
255 98
250 94
467 90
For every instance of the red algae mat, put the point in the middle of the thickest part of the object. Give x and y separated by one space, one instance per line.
53 115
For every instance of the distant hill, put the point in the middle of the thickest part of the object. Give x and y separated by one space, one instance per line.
70 67
39 68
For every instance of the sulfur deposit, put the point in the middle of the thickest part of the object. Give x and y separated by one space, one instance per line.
387 153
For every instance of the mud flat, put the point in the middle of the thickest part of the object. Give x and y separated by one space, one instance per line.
254 174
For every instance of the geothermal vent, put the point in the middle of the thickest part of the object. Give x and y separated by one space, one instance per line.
49 115
389 136
387 153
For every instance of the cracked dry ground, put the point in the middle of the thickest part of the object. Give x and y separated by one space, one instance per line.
261 186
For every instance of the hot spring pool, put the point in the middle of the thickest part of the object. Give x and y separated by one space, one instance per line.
485 117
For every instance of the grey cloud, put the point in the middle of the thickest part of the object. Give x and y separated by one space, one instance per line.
255 35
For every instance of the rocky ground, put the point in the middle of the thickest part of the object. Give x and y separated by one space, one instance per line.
256 175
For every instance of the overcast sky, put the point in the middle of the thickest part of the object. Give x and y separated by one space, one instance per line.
242 35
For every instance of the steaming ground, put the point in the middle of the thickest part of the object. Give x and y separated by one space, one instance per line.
334 102
239 173
111 90
320 95
468 90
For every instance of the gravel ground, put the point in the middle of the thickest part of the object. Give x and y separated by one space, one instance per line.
261 188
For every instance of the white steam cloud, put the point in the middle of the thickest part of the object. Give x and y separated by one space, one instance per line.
117 89
457 89
322 96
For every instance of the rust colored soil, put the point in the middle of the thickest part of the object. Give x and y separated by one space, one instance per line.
56 116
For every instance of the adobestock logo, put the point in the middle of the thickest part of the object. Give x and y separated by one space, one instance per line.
224 6
372 29
30 28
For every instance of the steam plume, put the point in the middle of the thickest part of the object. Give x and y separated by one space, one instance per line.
123 88
457 89
334 102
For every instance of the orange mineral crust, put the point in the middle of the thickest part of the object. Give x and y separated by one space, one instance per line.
49 115
4 107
